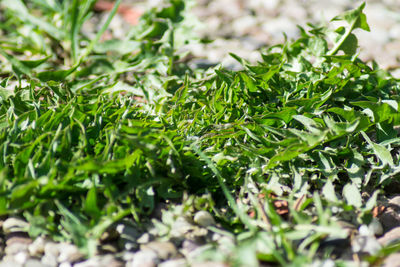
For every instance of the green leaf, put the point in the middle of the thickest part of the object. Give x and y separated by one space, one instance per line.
91 203
352 195
328 192
380 151
57 75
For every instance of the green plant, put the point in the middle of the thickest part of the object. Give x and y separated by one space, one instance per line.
311 124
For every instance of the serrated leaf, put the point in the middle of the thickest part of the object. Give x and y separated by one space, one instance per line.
328 191
380 151
352 195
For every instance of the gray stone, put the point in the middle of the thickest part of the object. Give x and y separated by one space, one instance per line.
390 237
376 227
174 263
145 238
164 250
180 227
392 260
209 263
21 257
34 263
36 249
49 260
13 224
365 244
144 258
18 239
395 201
65 264
204 218
69 253
9 263
51 253
15 248
389 219
100 261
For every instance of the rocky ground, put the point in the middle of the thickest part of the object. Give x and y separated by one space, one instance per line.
176 237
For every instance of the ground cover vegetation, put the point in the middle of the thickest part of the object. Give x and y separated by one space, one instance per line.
280 152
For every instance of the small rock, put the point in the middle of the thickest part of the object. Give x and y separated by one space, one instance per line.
209 263
9 263
65 264
395 201
69 253
109 236
204 218
109 248
127 231
36 249
389 219
93 262
21 257
128 236
128 256
164 250
18 239
145 238
100 261
389 237
180 227
144 258
15 248
49 260
34 263
392 260
13 224
189 246
244 25
51 248
174 263
376 227
365 244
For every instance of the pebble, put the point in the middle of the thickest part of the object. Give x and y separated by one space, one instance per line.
52 248
143 258
21 239
164 250
128 236
49 260
13 224
100 261
376 227
21 257
389 219
9 263
389 237
34 263
204 218
180 227
15 248
392 260
174 263
36 249
365 242
69 253
65 264
189 246
209 263
395 201
144 238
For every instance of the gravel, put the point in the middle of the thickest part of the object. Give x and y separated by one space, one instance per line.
242 27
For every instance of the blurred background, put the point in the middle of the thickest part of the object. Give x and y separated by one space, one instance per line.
245 26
